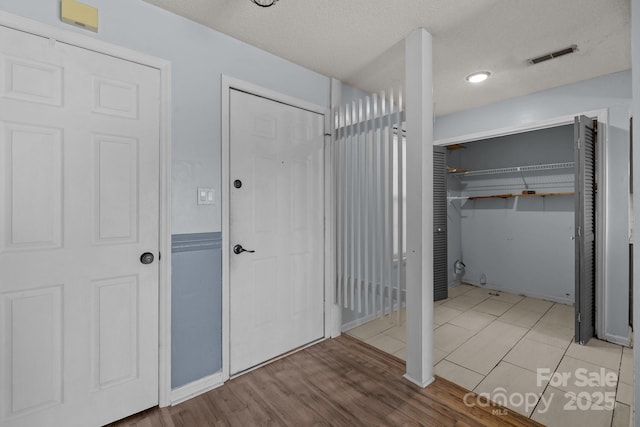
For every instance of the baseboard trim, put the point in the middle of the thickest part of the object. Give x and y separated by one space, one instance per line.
421 384
196 388
552 298
617 339
357 322
368 318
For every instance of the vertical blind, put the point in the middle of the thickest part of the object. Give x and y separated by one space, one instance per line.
370 191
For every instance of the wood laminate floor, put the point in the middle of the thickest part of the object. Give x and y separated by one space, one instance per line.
338 382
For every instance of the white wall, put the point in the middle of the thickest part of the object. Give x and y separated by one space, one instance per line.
199 56
612 92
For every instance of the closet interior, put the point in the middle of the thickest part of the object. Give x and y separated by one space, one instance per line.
511 214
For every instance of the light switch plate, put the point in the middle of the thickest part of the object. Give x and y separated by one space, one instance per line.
206 196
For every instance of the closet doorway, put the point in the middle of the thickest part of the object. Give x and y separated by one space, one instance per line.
522 215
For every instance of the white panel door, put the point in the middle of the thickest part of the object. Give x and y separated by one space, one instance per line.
276 209
79 173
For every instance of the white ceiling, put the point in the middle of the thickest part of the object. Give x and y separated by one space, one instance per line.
360 41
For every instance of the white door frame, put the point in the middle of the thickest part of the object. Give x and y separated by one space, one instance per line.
164 266
602 116
227 84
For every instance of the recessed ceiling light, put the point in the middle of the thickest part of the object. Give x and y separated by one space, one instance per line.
264 3
478 77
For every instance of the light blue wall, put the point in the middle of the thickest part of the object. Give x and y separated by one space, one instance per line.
521 245
611 92
196 307
351 93
199 56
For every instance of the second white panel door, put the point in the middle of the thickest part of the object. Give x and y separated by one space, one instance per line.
79 193
277 210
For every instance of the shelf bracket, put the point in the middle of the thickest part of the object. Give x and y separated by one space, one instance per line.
524 181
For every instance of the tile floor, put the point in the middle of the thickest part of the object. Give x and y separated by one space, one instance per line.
519 351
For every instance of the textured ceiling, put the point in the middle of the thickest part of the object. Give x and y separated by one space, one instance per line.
360 41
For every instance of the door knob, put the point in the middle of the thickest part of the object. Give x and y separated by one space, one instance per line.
146 258
238 249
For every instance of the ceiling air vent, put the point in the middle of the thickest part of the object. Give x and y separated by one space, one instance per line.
552 55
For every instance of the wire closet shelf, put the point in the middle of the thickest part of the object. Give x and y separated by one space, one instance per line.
516 169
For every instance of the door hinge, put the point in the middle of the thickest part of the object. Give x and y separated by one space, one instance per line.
159 256
579 318
579 231
579 143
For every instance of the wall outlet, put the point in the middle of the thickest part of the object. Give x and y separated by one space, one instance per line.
206 196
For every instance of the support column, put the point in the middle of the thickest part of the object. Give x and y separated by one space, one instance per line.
635 105
419 126
334 311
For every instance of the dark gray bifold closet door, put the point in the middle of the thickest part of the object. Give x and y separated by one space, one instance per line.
440 276
585 158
